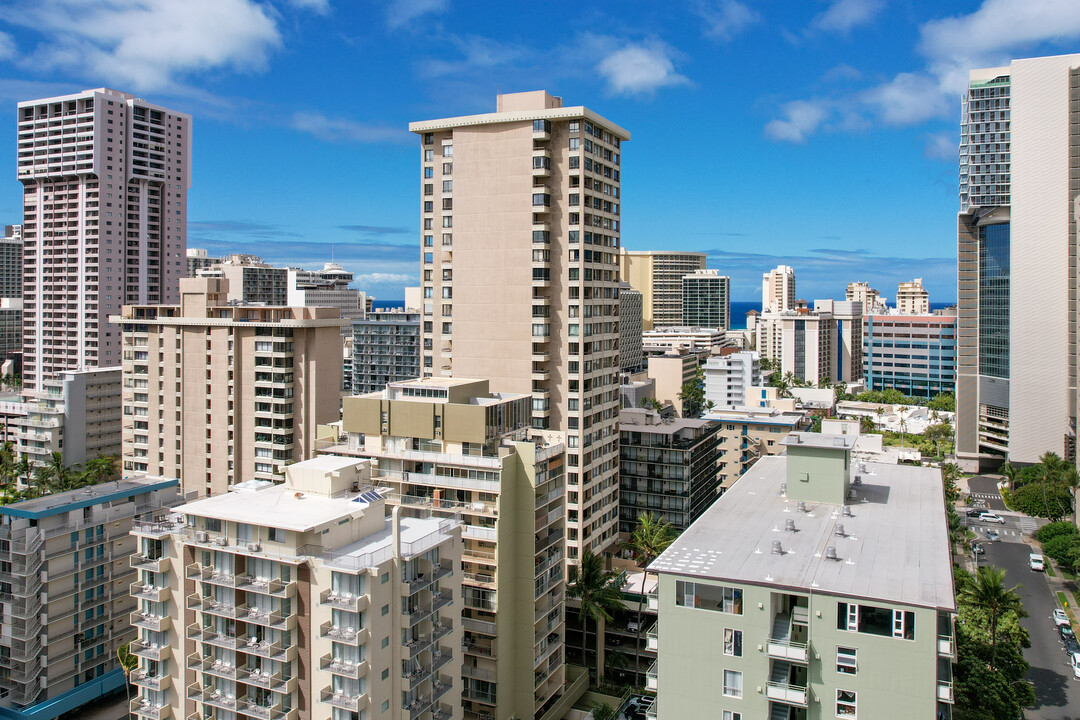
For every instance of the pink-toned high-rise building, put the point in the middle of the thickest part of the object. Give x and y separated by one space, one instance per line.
105 178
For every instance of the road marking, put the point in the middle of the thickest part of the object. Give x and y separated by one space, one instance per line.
1027 525
986 496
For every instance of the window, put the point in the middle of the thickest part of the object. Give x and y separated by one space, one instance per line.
385 705
275 535
729 715
385 673
733 684
846 661
385 610
845 703
386 642
385 578
709 597
574 143
733 642
875 621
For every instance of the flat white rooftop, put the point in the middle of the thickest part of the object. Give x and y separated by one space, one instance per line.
894 546
279 506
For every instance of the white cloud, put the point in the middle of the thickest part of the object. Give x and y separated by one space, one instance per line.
478 53
640 69
942 146
402 12
341 130
802 118
991 35
7 46
148 44
726 19
907 99
380 278
320 6
843 15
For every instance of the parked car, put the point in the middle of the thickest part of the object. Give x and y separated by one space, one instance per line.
1036 562
1066 631
1071 645
977 548
1060 618
974 512
993 536
1074 660
991 518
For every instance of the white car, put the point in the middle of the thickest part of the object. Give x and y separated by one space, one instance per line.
992 518
1036 562
1074 660
1060 618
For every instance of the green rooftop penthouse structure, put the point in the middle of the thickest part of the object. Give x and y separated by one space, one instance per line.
817 586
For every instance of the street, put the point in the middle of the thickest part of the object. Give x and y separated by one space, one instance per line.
1057 693
985 488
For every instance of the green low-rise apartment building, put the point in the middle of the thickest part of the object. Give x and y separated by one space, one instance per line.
815 587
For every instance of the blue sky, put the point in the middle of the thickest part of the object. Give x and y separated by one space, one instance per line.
820 134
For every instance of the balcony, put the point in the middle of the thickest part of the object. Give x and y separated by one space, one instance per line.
264 679
784 649
344 668
344 601
158 565
417 646
651 677
151 682
348 635
150 593
150 622
946 646
654 599
143 708
418 707
150 651
652 637
338 699
215 668
786 693
269 650
945 691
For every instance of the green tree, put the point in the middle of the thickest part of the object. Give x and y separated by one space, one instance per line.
950 474
943 402
603 711
650 537
692 394
128 663
987 592
101 469
600 594
1048 500
866 424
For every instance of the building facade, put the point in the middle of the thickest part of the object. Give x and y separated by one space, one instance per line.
862 293
101 171
912 298
657 275
327 287
218 393
197 259
11 262
251 280
916 354
297 600
706 299
684 338
521 217
778 571
728 378
1016 362
778 289
451 445
631 358
848 318
68 557
385 349
76 413
667 467
804 342
746 435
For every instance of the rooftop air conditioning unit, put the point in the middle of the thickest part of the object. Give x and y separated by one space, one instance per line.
201 536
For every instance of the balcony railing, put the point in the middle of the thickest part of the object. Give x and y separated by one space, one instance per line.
945 691
946 646
344 668
786 650
784 692
143 708
651 677
351 636
340 699
344 600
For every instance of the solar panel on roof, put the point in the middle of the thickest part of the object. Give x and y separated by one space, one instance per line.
369 497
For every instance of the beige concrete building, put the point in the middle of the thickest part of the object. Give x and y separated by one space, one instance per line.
748 434
521 217
298 600
251 280
67 562
105 179
912 298
804 342
452 446
76 413
216 394
658 276
682 337
861 292
778 289
670 371
827 585
1017 325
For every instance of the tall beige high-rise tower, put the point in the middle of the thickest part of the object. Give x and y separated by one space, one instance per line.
218 393
778 289
105 178
658 276
521 228
912 298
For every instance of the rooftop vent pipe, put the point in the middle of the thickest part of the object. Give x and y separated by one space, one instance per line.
830 553
789 525
777 548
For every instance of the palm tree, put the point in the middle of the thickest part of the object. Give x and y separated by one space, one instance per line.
128 662
1011 473
651 536
101 469
866 424
987 592
1051 467
600 593
55 476
7 464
